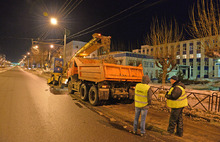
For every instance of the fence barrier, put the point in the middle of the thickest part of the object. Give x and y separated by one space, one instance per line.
205 101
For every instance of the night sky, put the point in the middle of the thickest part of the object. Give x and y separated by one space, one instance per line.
22 20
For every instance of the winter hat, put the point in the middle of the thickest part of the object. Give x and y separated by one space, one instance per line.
145 79
174 78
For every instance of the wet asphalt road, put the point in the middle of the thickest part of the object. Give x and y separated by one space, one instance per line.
30 113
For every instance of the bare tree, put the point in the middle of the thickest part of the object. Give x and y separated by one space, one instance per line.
164 38
205 24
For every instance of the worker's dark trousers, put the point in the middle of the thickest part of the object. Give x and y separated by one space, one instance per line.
176 119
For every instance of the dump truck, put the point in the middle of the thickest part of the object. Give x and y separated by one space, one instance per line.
99 81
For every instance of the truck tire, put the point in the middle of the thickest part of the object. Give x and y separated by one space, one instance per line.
70 87
84 92
93 96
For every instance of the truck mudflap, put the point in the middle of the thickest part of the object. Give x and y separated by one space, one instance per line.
103 94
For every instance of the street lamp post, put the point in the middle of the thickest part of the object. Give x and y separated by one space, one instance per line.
64 48
28 58
53 21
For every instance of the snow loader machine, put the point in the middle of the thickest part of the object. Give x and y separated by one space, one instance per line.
98 43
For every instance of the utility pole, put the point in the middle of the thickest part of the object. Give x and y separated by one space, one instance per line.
64 48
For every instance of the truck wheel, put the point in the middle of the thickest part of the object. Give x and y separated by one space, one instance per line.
70 87
84 92
93 96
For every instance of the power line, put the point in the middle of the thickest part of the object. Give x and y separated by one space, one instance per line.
74 8
81 32
108 18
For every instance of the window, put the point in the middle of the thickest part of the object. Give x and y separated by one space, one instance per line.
184 47
143 51
151 64
191 48
178 61
184 56
184 61
145 64
77 46
178 50
198 55
198 62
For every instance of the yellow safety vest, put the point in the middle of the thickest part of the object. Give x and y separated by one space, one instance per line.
180 102
141 95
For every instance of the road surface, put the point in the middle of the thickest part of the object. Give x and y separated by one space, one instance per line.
30 113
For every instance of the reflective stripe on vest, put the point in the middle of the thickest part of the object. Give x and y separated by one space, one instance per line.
141 95
180 102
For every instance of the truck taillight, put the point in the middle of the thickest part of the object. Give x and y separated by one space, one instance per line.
105 86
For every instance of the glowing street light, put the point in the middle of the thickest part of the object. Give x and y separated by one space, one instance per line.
53 21
51 46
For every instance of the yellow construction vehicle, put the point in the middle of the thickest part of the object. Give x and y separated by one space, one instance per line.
59 70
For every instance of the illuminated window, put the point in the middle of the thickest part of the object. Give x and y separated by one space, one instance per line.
198 55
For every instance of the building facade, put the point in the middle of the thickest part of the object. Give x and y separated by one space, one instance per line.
72 47
190 59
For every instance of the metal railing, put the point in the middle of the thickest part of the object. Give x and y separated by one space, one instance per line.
207 102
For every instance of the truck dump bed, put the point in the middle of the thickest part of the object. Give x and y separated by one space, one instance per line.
97 71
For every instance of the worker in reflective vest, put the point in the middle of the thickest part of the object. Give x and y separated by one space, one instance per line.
143 94
176 100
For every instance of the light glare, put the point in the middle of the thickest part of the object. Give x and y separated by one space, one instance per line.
53 21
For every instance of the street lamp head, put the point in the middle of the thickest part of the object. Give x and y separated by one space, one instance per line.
53 21
51 46
28 53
